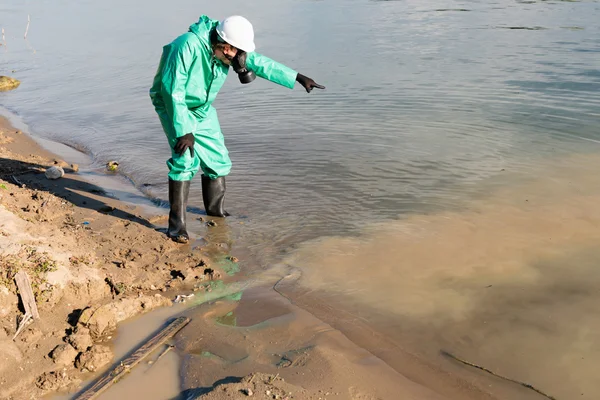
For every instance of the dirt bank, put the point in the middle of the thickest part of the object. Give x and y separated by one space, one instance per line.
92 261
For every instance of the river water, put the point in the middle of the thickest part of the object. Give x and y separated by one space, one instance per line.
454 138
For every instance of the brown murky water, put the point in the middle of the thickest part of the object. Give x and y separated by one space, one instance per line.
509 283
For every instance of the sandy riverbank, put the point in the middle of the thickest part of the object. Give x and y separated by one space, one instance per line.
92 260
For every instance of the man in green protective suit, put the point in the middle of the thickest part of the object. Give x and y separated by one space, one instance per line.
191 71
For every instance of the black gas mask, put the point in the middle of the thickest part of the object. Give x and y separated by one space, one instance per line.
238 63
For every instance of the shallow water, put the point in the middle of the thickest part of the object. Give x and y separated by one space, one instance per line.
398 190
422 101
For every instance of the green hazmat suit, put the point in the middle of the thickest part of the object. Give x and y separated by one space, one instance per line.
186 83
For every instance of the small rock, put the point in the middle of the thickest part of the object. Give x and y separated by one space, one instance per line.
74 168
248 392
93 359
100 321
8 83
232 259
55 172
63 354
80 339
211 223
152 287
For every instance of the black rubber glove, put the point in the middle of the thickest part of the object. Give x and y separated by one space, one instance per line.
238 63
185 142
308 83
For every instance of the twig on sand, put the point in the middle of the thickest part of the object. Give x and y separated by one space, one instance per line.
24 322
13 179
165 351
28 300
527 385
27 29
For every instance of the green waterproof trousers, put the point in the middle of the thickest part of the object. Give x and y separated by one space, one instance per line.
185 85
210 153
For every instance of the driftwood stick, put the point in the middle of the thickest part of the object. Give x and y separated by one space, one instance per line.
114 375
27 29
13 179
165 351
22 325
24 286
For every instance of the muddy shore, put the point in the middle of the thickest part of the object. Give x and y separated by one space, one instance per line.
95 262
92 261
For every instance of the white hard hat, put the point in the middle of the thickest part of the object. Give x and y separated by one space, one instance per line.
238 32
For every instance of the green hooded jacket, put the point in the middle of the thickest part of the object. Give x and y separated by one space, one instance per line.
189 77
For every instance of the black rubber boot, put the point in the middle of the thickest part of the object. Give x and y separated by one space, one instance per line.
213 194
178 198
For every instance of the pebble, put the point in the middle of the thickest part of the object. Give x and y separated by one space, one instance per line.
54 172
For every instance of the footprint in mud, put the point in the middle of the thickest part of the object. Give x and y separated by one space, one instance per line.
295 358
